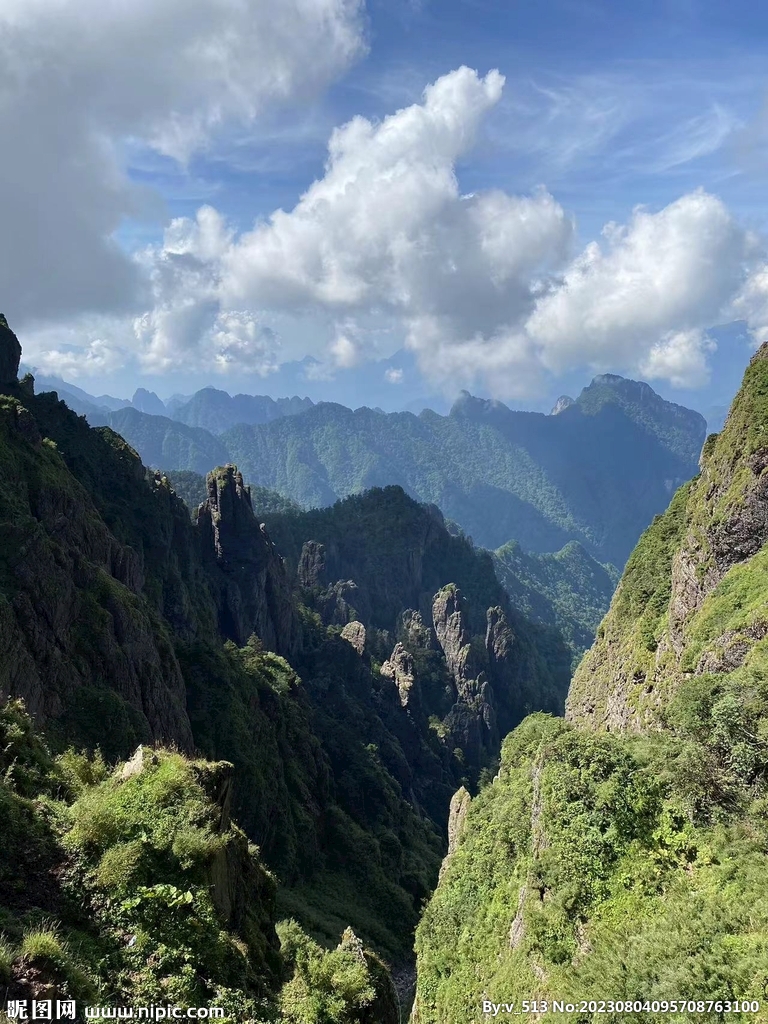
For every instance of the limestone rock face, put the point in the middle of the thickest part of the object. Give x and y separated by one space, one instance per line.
564 402
499 639
311 570
254 593
399 668
460 802
472 719
10 354
449 615
338 604
413 630
76 638
354 634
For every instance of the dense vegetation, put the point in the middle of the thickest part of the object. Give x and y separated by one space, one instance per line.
166 442
621 855
568 589
124 667
605 868
352 687
131 886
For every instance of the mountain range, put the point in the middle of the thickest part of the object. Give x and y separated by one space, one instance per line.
163 676
249 750
595 471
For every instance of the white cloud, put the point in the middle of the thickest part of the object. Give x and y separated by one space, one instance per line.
681 358
638 298
345 351
483 287
95 358
393 375
480 283
751 304
186 326
387 231
79 77
696 137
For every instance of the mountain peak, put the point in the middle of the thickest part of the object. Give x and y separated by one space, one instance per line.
469 405
563 402
148 401
10 353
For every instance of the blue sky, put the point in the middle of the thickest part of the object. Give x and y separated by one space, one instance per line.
606 105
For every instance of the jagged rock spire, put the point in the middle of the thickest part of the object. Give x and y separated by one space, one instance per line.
10 353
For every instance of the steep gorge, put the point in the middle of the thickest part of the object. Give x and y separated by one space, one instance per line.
353 685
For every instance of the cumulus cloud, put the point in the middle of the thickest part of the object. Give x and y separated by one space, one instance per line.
97 357
387 231
483 287
643 290
681 358
751 304
79 77
393 375
186 325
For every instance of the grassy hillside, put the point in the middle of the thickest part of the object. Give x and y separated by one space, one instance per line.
132 886
604 868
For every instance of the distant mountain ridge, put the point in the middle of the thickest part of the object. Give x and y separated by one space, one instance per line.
596 471
218 411
209 408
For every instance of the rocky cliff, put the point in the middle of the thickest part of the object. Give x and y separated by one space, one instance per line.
689 603
254 594
10 353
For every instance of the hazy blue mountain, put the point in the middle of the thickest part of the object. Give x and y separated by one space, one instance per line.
596 472
45 382
217 411
148 401
175 402
163 442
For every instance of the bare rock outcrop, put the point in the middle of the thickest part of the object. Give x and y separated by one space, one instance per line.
399 668
472 719
354 634
460 802
311 569
10 354
254 593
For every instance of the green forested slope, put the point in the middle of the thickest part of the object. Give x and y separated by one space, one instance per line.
567 589
165 442
132 886
596 472
621 855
